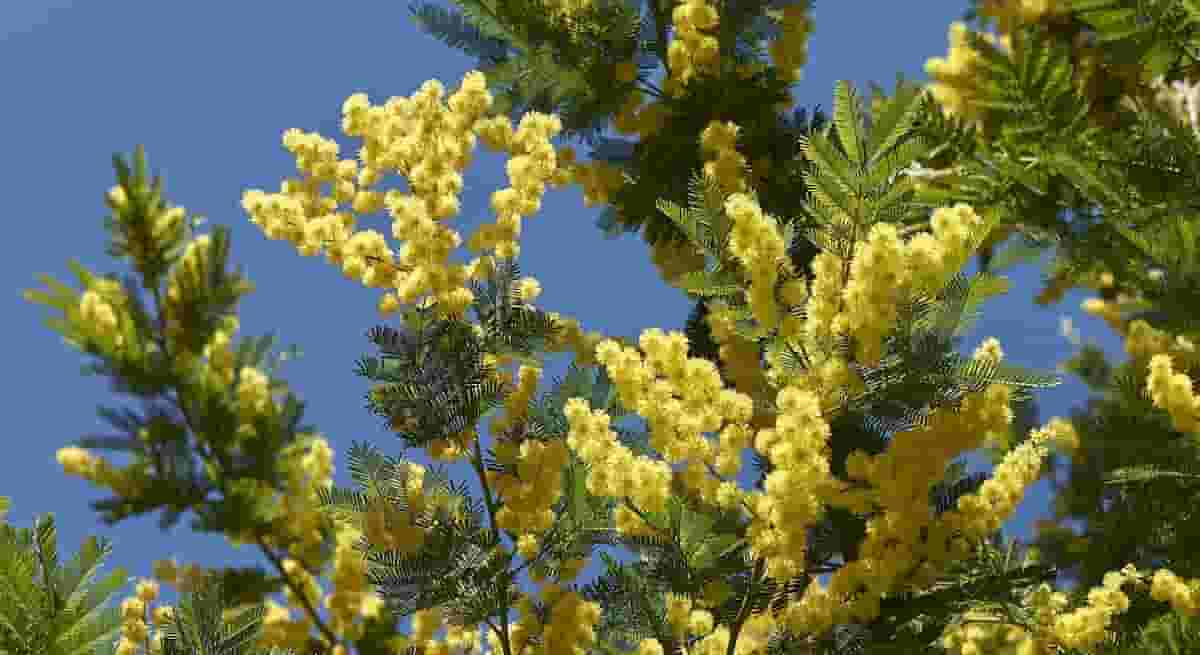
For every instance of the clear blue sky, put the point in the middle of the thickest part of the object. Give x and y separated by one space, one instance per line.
209 88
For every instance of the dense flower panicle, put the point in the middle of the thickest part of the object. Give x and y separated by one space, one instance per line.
796 489
1172 392
615 471
98 310
989 351
980 633
650 646
350 599
725 164
693 47
1143 341
429 142
756 242
1087 626
959 76
901 477
996 500
1180 99
860 298
878 277
1011 15
789 52
1183 596
681 398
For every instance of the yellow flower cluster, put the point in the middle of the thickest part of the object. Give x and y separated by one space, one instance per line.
1079 629
387 527
1010 15
823 311
350 598
700 623
218 353
906 532
916 458
1183 596
958 78
727 166
1046 605
1173 392
516 405
757 244
570 631
650 646
186 578
679 608
430 144
304 471
571 337
681 398
529 496
692 49
1086 626
935 257
253 393
989 351
1168 389
790 51
98 310
878 276
187 272
983 512
1181 99
565 8
459 640
797 447
528 288
614 470
981 633
97 470
278 628
134 628
533 164
755 634
572 622
883 271
1143 341
901 477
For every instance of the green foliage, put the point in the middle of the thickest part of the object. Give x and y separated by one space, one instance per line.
538 60
186 454
1069 152
433 380
50 607
456 566
199 626
1169 634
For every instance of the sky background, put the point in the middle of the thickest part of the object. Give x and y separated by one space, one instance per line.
209 88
